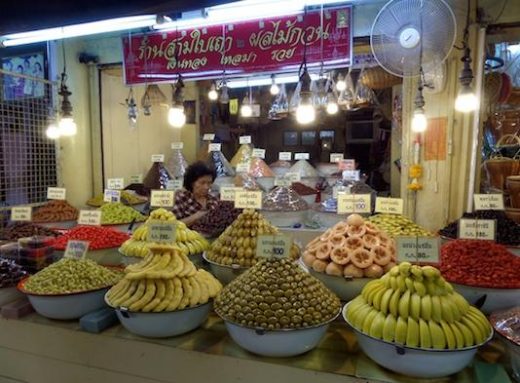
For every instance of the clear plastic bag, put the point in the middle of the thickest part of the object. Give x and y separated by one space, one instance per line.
347 96
280 106
296 97
364 96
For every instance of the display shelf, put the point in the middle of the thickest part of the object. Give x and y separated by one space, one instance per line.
60 351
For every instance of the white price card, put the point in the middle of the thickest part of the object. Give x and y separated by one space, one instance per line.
112 195
115 183
89 217
227 193
350 175
354 203
161 232
136 179
245 140
285 156
477 229
336 157
21 213
245 199
214 147
418 249
489 201
76 249
209 137
389 205
243 167
177 145
56 193
301 156
337 190
162 198
273 246
258 153
157 157
174 184
348 164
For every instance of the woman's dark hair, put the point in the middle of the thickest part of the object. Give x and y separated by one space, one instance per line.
194 172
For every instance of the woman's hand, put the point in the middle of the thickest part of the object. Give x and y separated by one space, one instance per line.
190 220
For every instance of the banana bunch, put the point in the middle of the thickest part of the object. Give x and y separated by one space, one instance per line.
188 242
164 281
416 307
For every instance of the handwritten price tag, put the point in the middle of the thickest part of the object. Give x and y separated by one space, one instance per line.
273 246
347 164
177 145
336 157
157 157
56 193
285 156
174 184
248 199
243 167
302 156
162 198
112 195
136 179
89 217
350 175
477 229
354 203
161 232
227 193
418 249
389 205
258 153
115 183
489 201
208 137
214 147
245 140
76 249
21 213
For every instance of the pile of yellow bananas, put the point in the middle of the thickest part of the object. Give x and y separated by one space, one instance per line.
416 307
187 241
165 280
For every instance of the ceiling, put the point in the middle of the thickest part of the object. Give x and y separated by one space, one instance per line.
26 15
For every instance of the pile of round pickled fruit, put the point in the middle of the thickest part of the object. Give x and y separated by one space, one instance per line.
166 280
71 276
398 225
353 248
277 294
237 244
416 307
115 213
188 242
126 197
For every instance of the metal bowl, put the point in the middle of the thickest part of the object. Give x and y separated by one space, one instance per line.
224 274
345 288
66 306
489 299
415 362
285 218
164 324
60 225
277 343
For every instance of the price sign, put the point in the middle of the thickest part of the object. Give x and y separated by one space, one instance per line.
112 195
347 164
161 232
157 157
89 217
354 203
214 147
56 193
337 190
21 213
418 249
285 156
258 153
174 184
273 246
350 175
115 183
162 198
136 179
209 137
489 201
389 205
248 199
477 229
177 145
302 156
245 140
336 157
243 167
227 193
76 249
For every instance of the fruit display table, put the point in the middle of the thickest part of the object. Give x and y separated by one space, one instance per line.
58 351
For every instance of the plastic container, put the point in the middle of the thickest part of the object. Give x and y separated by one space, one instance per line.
34 260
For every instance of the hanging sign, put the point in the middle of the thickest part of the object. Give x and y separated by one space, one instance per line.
489 201
245 140
354 203
208 137
162 198
418 249
389 205
477 229
76 249
115 183
263 45
214 147
89 217
21 213
258 153
136 179
285 156
336 157
301 156
273 246
174 184
245 199
157 157
112 195
177 145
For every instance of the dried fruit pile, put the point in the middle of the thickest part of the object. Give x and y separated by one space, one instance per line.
396 225
18 230
55 211
215 222
98 237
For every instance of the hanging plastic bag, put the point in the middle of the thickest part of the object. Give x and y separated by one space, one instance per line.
348 95
364 96
280 107
295 99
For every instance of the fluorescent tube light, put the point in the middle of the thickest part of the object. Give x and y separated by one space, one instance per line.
266 80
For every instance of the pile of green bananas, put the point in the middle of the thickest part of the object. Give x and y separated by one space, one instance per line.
416 307
398 225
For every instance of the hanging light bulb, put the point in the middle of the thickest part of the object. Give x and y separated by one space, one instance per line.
246 109
305 112
332 105
275 89
176 115
52 132
213 94
466 100
67 126
419 120
341 84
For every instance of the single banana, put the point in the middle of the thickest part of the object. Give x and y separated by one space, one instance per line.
160 286
409 284
367 323
401 283
404 305
459 337
419 288
447 309
393 283
437 335
469 339
389 328
461 303
146 298
451 341
401 331
368 289
425 340
417 272
170 290
385 301
436 309
376 329
360 315
431 272
404 268
412 334
355 306
415 306
426 307
393 306
376 298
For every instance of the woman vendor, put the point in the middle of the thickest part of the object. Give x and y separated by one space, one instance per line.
195 201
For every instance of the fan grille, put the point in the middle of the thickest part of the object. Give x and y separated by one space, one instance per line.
435 22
